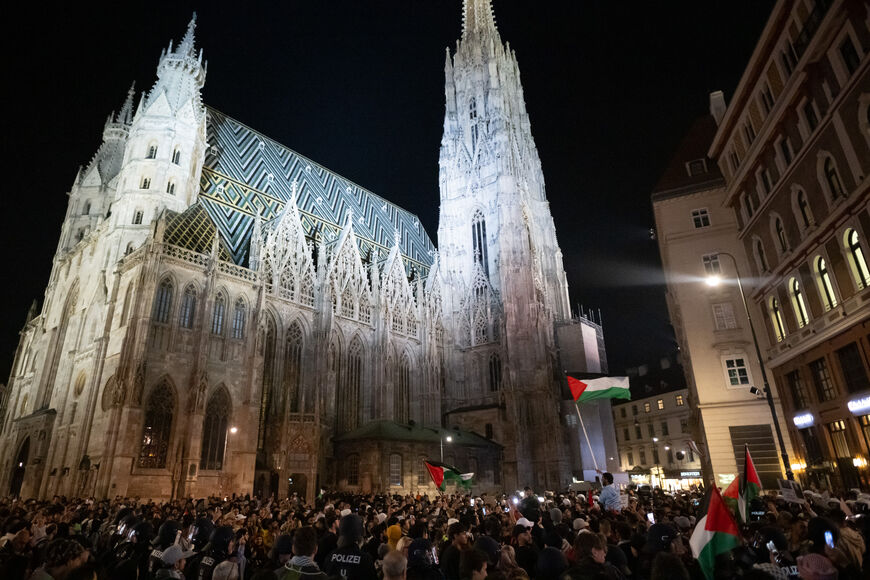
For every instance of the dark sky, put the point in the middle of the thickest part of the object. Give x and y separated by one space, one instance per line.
359 86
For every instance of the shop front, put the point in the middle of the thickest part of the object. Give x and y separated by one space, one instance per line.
681 479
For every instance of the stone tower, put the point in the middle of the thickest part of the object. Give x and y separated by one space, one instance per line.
498 250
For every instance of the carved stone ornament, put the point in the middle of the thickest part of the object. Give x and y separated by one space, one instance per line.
138 384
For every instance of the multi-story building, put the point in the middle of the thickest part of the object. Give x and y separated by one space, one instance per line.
654 433
697 239
793 146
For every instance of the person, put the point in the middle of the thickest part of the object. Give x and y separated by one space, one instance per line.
173 560
348 560
591 553
457 535
62 556
221 545
421 561
814 566
395 566
472 564
302 564
15 553
551 564
609 496
526 550
329 540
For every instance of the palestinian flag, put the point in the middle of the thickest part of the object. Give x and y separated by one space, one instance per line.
715 533
731 496
442 474
750 485
603 388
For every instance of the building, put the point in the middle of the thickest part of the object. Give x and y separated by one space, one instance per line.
696 236
794 148
653 430
225 314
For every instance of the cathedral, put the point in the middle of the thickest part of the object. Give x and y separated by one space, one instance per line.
224 315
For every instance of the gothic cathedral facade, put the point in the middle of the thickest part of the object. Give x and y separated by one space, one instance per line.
225 315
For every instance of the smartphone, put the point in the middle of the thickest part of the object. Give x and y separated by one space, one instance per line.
651 517
434 556
829 539
471 502
484 510
771 547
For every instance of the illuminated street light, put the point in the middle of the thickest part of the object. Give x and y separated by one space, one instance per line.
234 430
715 281
448 439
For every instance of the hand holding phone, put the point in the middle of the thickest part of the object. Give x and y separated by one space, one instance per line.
829 539
651 517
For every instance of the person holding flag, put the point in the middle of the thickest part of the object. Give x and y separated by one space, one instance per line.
715 533
750 486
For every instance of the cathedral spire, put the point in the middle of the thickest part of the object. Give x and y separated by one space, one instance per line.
186 47
477 17
126 114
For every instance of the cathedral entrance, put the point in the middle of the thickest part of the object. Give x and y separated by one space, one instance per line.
20 468
297 483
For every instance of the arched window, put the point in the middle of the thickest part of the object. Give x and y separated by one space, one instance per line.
395 470
163 301
779 230
804 215
759 255
80 384
188 307
137 217
267 344
797 300
472 121
170 187
293 370
87 208
478 238
176 156
348 397
825 285
157 427
401 401
748 206
494 373
217 319
152 152
239 319
832 178
353 469
146 183
214 431
856 253
129 249
776 317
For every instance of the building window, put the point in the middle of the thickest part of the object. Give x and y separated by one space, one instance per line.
684 425
622 412
766 98
804 210
825 284
163 302
679 400
837 429
852 365
780 235
697 167
711 264
643 456
738 374
670 456
495 373
723 316
176 156
701 218
825 389
396 470
691 455
785 151
760 256
748 205
293 370
797 302
634 410
472 121
625 434
764 180
637 433
239 320
776 318
217 319
488 430
735 161
630 458
651 430
665 430
810 116
849 55
137 217
660 404
87 209
655 454
152 152
749 132
402 391
146 183
214 431
832 179
865 426
353 469
856 253
157 427
797 389
478 238
646 407
170 187
188 307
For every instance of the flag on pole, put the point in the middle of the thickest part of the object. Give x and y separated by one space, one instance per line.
731 496
442 474
603 388
715 533
750 485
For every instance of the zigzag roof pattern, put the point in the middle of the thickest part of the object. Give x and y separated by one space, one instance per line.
246 173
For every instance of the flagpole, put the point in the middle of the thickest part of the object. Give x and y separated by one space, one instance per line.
589 443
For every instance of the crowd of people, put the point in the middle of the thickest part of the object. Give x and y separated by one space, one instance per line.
542 536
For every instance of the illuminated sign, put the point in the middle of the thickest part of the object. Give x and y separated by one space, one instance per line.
859 405
690 474
805 420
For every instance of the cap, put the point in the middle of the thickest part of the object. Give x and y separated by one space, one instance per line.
452 521
345 512
525 522
580 524
174 553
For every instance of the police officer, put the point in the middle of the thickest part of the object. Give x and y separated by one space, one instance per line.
198 537
220 547
167 535
348 560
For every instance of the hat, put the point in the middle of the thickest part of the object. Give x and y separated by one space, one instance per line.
659 537
345 512
525 522
566 502
580 524
519 529
394 532
556 515
816 567
682 522
173 554
451 521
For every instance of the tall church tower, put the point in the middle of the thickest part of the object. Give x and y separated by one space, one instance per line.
498 249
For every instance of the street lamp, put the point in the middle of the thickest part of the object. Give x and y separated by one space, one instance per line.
443 439
715 281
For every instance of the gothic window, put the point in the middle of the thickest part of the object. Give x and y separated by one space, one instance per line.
347 403
825 285
176 156
217 320
306 291
480 327
188 307
146 183
856 253
797 299
403 391
395 470
347 303
267 340
157 427
803 209
163 302
397 319
87 208
214 431
776 317
152 152
129 249
478 236
494 373
137 217
293 369
832 179
472 121
780 235
239 319
353 469
760 256
170 187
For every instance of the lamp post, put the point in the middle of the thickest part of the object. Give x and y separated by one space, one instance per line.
448 439
714 281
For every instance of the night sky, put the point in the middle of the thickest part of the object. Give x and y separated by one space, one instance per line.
358 86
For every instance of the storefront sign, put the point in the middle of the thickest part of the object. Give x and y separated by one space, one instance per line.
861 405
804 420
690 474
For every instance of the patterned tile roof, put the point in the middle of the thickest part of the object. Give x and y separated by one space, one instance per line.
193 229
246 173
